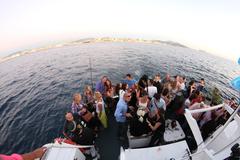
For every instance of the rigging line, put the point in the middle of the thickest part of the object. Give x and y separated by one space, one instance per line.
90 65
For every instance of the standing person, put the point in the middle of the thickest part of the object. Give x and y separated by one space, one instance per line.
109 95
129 80
158 83
167 78
77 106
88 98
123 90
121 118
100 85
100 109
151 89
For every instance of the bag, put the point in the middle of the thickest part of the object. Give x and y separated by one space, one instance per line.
87 116
103 119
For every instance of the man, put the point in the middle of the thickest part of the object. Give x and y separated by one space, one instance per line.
75 130
100 85
157 83
121 118
166 79
151 89
129 80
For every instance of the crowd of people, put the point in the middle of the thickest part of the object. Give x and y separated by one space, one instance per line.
142 107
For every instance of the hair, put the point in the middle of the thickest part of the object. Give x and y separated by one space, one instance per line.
117 88
165 92
98 95
129 75
151 81
110 85
88 88
157 96
76 95
124 86
191 82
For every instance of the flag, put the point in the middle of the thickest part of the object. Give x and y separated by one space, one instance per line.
235 83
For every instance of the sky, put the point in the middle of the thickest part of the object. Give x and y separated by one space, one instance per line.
209 25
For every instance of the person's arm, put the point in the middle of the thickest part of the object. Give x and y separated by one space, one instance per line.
155 127
38 153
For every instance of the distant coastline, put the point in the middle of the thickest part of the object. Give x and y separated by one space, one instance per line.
84 41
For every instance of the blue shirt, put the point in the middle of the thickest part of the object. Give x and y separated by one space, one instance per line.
100 87
121 110
130 82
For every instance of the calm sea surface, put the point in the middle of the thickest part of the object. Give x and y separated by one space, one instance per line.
36 89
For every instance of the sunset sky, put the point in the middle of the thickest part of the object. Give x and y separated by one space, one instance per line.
213 26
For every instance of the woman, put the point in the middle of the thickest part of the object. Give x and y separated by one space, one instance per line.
109 94
123 90
88 98
157 125
77 107
100 109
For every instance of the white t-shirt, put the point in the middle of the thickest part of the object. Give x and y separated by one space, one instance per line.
121 93
151 91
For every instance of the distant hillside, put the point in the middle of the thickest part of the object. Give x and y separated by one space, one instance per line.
87 40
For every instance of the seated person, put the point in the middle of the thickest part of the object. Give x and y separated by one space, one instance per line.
74 129
157 126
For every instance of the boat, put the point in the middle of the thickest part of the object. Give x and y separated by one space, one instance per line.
218 146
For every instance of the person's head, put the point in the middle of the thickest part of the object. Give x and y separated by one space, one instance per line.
150 82
69 116
77 98
192 83
88 90
128 76
157 77
104 79
98 96
177 78
165 92
157 96
124 86
168 76
127 96
108 83
202 81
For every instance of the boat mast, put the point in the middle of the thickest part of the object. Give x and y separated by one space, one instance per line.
90 65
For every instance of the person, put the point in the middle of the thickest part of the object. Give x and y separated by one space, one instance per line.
201 85
129 80
100 109
157 125
75 130
109 95
77 106
166 79
151 89
121 115
142 83
157 102
88 98
123 90
38 153
157 83
100 87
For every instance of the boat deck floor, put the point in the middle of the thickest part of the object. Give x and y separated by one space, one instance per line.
107 142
